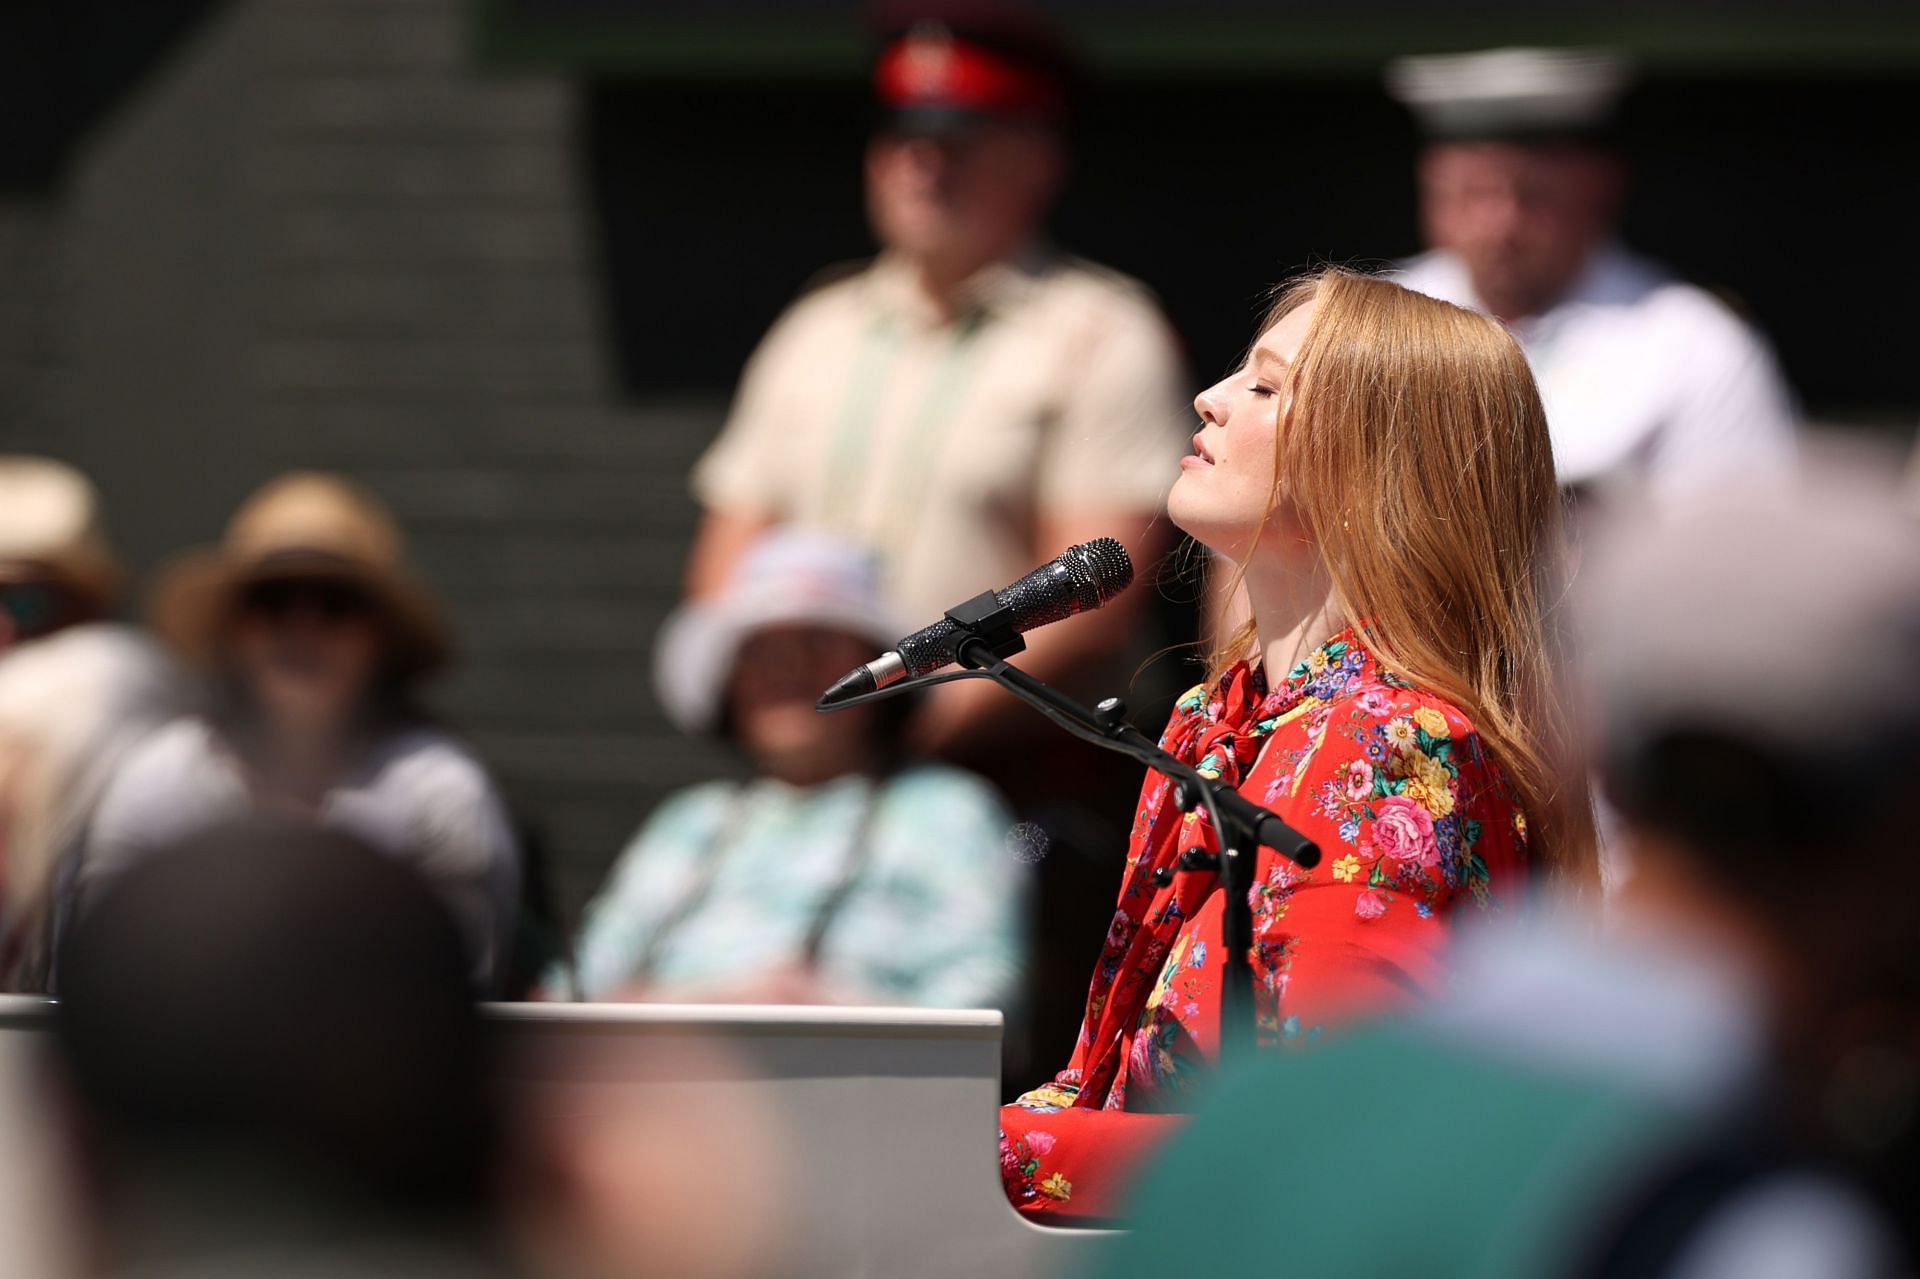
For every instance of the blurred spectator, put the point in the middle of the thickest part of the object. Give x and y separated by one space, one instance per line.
972 401
76 692
844 869
1652 386
1678 1096
277 1064
316 634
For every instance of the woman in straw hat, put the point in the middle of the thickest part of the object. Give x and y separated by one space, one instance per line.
843 869
315 633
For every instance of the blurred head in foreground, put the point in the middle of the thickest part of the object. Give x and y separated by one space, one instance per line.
271 1025
1517 176
968 155
1755 664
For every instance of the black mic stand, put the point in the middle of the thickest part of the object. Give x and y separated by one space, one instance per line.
985 638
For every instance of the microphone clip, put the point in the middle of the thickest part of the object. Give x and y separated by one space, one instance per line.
985 620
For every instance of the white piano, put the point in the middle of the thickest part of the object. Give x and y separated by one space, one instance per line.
844 1142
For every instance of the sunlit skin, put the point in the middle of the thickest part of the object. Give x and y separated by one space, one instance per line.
1525 219
1227 484
307 671
951 205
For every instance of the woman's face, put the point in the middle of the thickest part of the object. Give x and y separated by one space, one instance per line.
307 651
779 674
1227 481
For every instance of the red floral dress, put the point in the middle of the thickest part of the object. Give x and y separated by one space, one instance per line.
1417 826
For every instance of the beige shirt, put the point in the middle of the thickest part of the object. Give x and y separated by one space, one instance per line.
1056 389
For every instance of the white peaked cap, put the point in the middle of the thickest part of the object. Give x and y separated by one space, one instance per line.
1510 92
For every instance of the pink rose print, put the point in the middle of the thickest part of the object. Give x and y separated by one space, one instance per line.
1377 704
1404 832
1010 1174
1140 1056
1120 932
1040 1143
1279 788
1370 905
1359 780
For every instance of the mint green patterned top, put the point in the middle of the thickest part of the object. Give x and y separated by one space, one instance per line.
935 914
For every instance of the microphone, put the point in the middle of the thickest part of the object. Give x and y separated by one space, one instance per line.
1079 580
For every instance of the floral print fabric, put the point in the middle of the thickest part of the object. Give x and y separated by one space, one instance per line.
1416 825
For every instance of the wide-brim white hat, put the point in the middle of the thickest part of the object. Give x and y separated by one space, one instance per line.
793 576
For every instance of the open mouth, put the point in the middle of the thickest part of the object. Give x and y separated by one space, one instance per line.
1200 451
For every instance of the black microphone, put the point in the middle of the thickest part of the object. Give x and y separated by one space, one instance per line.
1080 579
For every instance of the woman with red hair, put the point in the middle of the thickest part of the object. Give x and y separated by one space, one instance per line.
1378 475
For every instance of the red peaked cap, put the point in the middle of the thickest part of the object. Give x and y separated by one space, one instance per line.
930 69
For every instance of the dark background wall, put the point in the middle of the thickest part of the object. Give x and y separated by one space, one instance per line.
1795 196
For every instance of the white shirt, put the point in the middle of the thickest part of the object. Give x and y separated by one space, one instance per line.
415 794
1650 384
72 706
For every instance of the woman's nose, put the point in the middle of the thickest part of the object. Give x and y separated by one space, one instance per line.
1211 404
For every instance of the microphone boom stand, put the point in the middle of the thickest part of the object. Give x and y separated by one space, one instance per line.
985 638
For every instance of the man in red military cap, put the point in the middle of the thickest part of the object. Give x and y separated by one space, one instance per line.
972 401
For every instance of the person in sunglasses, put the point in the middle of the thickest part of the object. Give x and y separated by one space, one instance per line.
315 635
78 691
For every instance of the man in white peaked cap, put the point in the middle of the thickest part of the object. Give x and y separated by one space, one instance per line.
1654 388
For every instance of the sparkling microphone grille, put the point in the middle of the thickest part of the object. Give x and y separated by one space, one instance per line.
1079 579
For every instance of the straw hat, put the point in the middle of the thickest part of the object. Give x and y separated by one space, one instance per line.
50 528
304 525
791 576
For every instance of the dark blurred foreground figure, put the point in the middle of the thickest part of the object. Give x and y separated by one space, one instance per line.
77 692
1654 388
1721 1085
316 635
277 1065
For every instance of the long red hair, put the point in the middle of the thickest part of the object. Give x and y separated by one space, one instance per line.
1414 452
